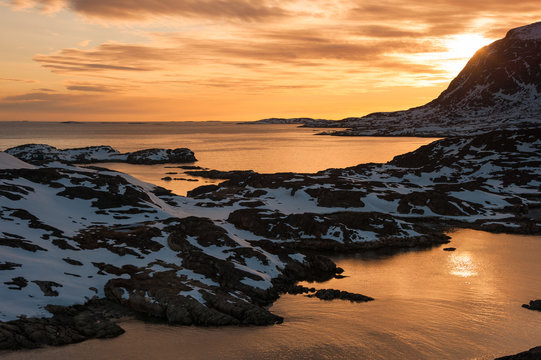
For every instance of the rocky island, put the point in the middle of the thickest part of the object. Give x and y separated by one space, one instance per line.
42 153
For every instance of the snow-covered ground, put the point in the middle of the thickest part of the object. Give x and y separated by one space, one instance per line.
68 233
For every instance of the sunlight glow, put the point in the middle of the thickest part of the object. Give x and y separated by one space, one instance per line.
462 265
460 48
465 45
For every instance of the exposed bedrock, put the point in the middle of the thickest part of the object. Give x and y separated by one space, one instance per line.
533 305
341 231
42 154
68 325
532 354
227 299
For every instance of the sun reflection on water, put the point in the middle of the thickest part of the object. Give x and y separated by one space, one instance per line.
462 265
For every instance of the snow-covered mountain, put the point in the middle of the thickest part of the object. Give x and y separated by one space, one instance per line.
502 77
500 87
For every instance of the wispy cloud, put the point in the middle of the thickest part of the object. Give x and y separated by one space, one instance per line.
27 81
247 10
202 49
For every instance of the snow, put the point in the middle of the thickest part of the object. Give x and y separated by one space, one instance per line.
194 294
11 162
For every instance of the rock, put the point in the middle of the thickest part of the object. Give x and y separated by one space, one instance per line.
532 354
73 262
220 175
67 326
160 156
299 289
533 305
202 190
47 287
9 265
41 153
17 283
449 249
331 294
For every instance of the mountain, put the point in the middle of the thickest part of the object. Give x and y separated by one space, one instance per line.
501 77
500 87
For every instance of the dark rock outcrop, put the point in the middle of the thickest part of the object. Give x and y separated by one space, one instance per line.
68 325
331 294
532 354
533 305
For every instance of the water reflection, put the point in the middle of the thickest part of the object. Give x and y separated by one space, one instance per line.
462 265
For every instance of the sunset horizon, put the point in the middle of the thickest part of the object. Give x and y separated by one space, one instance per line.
84 60
270 179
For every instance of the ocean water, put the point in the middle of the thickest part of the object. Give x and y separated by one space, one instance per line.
217 145
429 304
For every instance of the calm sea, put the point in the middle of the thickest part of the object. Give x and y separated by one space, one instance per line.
429 304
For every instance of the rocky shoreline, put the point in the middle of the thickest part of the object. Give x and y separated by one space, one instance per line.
68 325
223 254
532 354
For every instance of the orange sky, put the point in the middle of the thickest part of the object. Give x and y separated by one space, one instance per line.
120 60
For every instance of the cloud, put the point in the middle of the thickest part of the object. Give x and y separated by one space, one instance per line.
84 43
445 17
201 48
100 87
403 18
384 31
293 47
240 9
46 6
27 81
104 57
89 88
246 10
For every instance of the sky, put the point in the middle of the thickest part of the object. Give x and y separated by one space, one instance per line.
237 60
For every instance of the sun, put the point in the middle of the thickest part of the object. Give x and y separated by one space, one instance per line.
464 46
460 48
